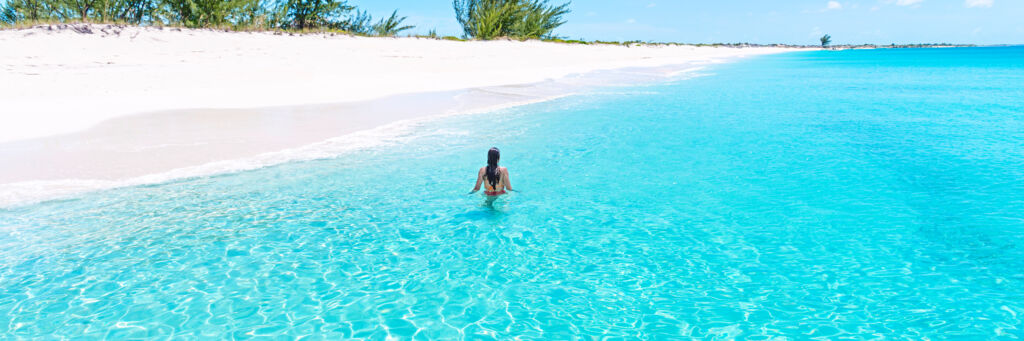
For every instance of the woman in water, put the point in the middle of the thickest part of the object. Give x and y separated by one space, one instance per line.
497 177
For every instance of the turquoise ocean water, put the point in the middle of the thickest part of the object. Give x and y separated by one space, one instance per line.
812 194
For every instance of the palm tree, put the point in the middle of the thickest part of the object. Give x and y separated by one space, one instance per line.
825 40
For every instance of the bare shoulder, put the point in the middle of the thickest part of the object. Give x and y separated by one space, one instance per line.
503 170
482 170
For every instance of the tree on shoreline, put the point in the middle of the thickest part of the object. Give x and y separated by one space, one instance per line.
83 8
14 11
237 14
131 11
826 40
304 14
522 19
196 13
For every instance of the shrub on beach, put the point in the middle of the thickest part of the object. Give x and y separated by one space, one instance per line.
391 26
359 23
304 14
193 13
521 19
237 14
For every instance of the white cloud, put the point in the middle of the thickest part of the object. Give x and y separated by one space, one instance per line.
836 5
630 21
651 5
978 3
908 2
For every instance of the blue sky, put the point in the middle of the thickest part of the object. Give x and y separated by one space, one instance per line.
790 21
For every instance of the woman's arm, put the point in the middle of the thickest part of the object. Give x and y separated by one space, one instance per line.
508 184
479 180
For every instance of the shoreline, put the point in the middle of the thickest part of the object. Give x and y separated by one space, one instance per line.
161 145
62 81
109 156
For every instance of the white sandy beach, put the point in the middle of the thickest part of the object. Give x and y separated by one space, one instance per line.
71 98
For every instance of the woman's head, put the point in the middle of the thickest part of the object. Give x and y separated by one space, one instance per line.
492 156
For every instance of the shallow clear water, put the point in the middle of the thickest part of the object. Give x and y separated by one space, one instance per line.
817 194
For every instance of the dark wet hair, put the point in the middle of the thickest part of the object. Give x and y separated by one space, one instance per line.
493 175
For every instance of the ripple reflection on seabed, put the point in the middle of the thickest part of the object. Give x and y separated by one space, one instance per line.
491 209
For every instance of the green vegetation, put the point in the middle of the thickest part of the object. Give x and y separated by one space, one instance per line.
480 19
300 15
391 26
358 23
519 19
304 14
